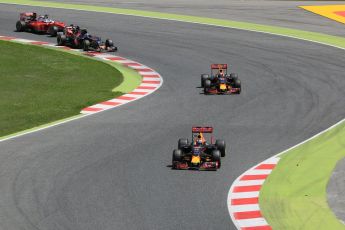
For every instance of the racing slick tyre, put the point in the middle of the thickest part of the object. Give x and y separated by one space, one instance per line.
20 26
204 77
221 147
237 84
182 142
234 76
109 43
177 157
61 39
86 45
216 157
53 30
207 85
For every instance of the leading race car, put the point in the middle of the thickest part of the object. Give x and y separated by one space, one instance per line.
220 82
38 24
199 154
75 37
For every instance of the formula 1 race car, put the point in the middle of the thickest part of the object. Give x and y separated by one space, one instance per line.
220 82
199 154
75 37
40 24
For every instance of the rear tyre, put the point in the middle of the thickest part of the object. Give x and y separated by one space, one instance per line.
204 77
20 26
182 142
61 40
207 85
221 147
216 157
234 76
86 45
53 30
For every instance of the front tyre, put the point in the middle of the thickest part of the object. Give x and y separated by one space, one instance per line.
109 43
207 86
204 77
176 157
61 40
237 84
216 157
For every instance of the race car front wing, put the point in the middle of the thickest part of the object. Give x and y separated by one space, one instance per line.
230 91
212 166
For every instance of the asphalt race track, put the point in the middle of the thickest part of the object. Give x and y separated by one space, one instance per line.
268 12
111 170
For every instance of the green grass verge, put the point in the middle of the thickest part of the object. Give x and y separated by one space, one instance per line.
131 79
41 85
294 196
312 36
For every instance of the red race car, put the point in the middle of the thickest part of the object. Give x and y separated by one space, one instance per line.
38 24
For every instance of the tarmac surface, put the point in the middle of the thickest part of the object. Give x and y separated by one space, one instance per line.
111 170
268 12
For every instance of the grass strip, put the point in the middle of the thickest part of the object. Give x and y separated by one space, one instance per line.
41 85
132 79
294 196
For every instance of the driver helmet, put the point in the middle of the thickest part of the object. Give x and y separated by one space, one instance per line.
83 31
74 28
34 16
199 140
46 16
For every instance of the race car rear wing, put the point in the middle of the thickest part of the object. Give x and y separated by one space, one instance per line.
206 129
219 66
26 15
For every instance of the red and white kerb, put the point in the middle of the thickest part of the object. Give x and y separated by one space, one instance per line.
243 197
151 81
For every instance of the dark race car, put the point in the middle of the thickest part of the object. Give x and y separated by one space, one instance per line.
220 82
38 24
199 154
75 37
